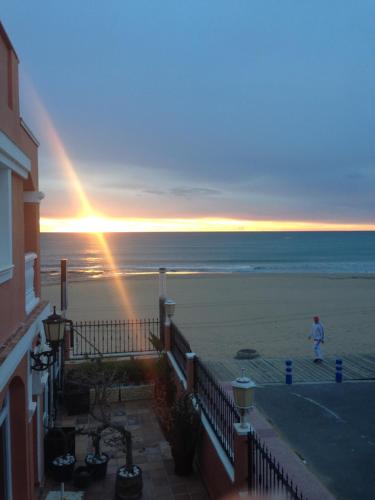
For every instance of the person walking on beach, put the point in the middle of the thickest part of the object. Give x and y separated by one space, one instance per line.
317 334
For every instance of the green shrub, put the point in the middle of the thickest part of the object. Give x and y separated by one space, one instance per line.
125 372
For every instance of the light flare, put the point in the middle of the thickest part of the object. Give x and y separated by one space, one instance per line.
87 213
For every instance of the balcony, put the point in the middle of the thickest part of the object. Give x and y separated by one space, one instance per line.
31 300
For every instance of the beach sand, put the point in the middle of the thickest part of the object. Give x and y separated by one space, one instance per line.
222 313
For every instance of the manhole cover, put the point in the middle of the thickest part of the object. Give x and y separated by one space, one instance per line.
246 354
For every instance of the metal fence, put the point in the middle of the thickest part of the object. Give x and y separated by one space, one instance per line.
218 408
113 338
266 476
179 347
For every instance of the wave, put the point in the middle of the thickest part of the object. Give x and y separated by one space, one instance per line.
51 274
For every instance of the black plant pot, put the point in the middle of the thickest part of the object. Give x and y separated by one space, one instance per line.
81 477
62 473
129 488
57 442
97 470
183 462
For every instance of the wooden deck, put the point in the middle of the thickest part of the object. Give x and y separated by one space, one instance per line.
270 371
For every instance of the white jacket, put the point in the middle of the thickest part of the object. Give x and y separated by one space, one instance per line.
317 332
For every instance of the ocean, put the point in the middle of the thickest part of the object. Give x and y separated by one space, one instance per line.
145 253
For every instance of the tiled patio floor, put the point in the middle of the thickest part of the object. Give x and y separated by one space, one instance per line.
151 452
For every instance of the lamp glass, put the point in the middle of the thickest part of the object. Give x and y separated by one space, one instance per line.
170 306
54 327
243 392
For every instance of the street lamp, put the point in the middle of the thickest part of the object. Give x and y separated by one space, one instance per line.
170 306
54 327
243 393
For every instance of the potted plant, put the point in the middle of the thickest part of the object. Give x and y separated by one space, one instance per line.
185 424
164 394
58 442
101 376
63 467
97 460
129 481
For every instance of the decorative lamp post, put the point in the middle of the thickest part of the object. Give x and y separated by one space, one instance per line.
243 393
54 327
170 306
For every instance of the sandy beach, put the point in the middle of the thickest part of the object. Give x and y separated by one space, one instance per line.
222 313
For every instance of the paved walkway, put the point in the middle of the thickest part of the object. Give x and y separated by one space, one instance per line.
151 452
331 428
271 371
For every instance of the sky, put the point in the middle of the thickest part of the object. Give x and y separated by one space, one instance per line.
234 113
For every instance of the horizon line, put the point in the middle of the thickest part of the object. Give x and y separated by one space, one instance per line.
99 224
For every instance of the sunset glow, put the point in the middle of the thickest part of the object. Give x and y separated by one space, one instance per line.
87 220
99 224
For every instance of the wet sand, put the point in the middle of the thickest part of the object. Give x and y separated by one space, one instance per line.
222 313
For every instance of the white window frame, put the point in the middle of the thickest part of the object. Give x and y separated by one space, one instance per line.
4 420
6 247
12 160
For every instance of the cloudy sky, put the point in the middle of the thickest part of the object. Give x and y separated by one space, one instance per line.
253 109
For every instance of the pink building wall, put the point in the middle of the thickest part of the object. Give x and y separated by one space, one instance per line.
25 215
19 325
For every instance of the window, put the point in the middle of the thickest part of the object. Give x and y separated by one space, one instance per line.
12 160
6 264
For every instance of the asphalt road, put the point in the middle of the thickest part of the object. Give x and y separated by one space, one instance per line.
332 427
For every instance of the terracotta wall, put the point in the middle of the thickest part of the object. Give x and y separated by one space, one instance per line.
21 436
213 473
12 292
10 117
25 237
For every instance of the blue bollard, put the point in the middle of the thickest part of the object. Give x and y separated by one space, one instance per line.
339 371
288 372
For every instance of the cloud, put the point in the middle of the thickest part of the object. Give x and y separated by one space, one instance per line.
192 192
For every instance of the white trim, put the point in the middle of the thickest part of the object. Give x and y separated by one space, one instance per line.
177 370
39 380
4 420
11 156
14 358
6 236
30 257
33 196
31 410
31 300
29 132
243 429
6 273
40 438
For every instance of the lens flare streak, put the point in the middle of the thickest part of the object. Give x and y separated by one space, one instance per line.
86 209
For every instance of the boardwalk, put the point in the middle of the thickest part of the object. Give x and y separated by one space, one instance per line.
271 371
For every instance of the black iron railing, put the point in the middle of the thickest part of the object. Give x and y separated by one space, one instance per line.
179 347
218 408
266 476
113 337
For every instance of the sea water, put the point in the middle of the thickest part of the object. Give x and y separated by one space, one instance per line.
271 252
